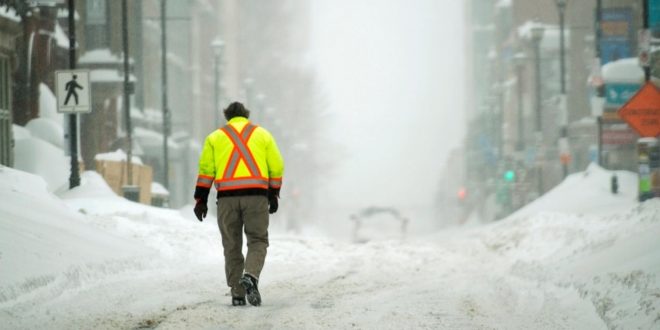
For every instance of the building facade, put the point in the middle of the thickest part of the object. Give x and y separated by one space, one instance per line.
9 30
516 114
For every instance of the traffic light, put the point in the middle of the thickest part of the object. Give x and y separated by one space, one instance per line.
510 176
462 193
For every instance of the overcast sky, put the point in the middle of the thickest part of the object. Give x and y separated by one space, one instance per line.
391 71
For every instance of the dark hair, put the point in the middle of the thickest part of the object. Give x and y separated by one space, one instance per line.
236 109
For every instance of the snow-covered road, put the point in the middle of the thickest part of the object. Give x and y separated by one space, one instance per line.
310 283
142 267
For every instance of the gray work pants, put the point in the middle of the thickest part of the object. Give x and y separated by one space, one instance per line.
235 215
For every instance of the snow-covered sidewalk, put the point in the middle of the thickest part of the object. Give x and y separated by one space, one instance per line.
90 259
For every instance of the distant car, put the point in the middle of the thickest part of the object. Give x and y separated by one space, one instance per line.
373 223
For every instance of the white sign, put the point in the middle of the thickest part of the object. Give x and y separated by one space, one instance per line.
73 91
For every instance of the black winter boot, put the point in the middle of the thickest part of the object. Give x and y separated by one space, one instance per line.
238 301
250 284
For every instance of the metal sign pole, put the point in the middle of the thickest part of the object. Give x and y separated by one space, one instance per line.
127 101
131 190
166 111
74 179
645 11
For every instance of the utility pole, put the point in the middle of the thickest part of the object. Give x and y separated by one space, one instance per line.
599 33
537 85
645 27
519 60
561 6
74 179
537 36
539 132
166 111
599 11
130 191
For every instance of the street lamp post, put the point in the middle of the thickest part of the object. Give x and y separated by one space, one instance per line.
519 61
561 8
645 26
217 45
537 36
166 110
131 191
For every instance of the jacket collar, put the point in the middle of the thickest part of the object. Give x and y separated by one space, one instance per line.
238 119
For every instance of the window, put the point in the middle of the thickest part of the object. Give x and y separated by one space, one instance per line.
96 21
96 10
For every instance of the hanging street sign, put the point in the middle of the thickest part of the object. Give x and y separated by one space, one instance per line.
642 112
617 94
73 91
654 14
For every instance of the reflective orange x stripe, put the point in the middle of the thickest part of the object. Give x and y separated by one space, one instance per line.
241 151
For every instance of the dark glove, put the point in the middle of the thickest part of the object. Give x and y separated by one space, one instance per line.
200 210
273 204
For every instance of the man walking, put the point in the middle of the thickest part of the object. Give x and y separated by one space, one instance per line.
243 162
70 88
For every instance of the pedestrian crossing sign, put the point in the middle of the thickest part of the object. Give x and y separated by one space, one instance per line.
73 91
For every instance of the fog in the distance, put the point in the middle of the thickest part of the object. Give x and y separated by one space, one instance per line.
391 72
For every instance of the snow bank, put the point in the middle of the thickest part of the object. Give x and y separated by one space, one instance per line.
586 192
604 247
39 145
53 249
44 245
48 105
556 264
20 132
611 261
38 157
47 130
163 229
92 186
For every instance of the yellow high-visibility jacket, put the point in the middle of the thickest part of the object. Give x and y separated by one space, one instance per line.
240 155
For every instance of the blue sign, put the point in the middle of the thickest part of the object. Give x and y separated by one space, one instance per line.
616 34
617 95
654 15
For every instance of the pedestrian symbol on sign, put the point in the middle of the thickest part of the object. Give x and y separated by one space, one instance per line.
70 88
74 92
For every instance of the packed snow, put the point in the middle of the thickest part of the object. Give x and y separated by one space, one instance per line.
626 70
30 150
118 156
577 258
